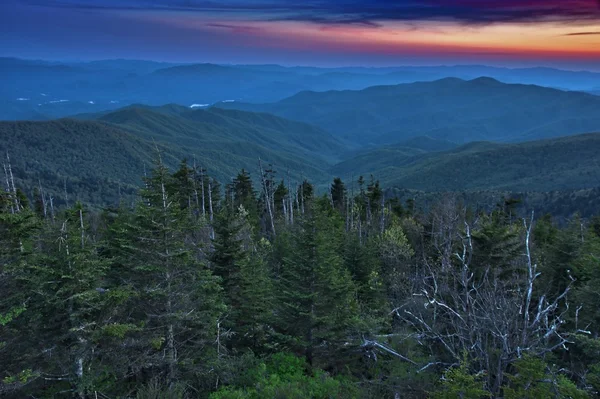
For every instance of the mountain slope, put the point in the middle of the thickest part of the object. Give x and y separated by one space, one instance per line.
99 154
564 163
449 109
214 128
92 159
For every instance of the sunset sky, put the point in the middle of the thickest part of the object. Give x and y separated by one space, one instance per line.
311 32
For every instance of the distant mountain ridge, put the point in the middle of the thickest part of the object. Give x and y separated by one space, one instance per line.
564 163
449 109
31 89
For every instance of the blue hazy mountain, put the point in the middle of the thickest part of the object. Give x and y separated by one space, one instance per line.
448 109
38 90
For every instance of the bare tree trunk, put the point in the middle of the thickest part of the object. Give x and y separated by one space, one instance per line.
331 199
302 196
352 212
196 200
72 320
81 228
210 206
531 276
44 206
267 196
291 205
290 200
52 208
210 203
203 200
13 187
67 195
368 212
346 208
382 223
360 230
8 190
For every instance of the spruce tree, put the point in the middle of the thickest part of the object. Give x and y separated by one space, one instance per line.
245 278
174 302
317 301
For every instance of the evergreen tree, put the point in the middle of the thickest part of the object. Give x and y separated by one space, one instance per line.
497 244
61 278
174 301
280 194
244 194
317 303
338 194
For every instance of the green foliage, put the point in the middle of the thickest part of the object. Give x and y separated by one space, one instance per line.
157 389
23 377
317 304
566 163
497 244
287 376
100 160
458 382
11 315
395 252
119 330
159 299
533 379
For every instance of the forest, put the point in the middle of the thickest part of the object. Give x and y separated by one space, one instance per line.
269 289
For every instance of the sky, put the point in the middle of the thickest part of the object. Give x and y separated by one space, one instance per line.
556 33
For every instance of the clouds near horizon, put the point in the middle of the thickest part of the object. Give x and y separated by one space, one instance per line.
311 30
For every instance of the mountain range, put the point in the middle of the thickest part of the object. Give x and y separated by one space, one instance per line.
41 90
450 109
476 135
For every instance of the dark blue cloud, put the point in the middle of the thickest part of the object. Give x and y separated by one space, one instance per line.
151 29
365 12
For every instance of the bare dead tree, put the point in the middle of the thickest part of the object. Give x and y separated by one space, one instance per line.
210 208
8 189
297 203
203 195
67 195
10 185
52 208
267 195
445 225
494 318
194 185
290 198
382 220
43 198
291 204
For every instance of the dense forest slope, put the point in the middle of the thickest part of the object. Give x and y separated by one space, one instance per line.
564 163
450 109
99 154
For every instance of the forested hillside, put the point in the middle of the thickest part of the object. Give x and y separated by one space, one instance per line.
564 163
269 290
100 157
449 109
